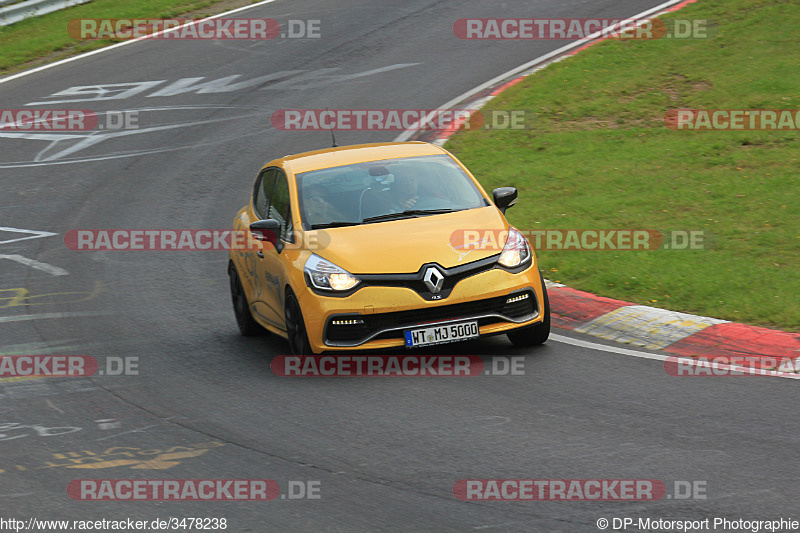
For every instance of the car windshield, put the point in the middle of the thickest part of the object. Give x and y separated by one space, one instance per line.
385 190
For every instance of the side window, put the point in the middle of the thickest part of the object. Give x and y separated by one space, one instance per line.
279 206
263 190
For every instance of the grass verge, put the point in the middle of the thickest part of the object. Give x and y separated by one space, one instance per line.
44 39
599 155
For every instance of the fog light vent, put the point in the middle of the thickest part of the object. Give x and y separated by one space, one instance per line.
349 322
517 298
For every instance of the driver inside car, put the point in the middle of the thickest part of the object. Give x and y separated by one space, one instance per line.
405 191
318 209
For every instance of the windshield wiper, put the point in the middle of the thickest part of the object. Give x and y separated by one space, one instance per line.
334 225
408 214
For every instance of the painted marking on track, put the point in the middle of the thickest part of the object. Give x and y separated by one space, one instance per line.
124 43
648 327
33 263
139 430
51 154
134 458
62 147
21 297
287 79
657 357
37 265
53 406
40 431
32 234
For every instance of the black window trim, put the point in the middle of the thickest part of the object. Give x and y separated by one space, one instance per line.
256 188
288 216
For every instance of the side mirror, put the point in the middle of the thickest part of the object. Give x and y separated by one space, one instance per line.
266 230
504 197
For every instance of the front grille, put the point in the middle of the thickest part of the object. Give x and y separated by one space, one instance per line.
414 281
391 325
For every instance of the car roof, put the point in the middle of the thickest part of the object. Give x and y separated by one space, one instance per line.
358 153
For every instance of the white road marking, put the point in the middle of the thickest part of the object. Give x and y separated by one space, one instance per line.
38 265
140 430
647 327
125 43
658 357
33 263
93 138
33 234
51 404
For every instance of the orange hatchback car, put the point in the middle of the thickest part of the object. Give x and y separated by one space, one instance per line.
381 246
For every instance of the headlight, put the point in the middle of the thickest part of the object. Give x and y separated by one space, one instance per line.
516 251
326 276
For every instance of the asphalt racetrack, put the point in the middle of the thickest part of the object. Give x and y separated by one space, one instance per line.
383 454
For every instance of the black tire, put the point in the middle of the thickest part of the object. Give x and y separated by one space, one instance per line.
538 333
296 327
241 309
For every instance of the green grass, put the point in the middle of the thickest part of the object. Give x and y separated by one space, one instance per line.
46 37
598 155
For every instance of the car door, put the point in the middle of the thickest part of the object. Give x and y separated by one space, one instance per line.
270 267
251 274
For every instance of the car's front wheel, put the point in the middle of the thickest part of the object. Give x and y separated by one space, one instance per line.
241 309
296 326
537 333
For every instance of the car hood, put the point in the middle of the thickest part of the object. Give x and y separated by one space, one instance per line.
403 246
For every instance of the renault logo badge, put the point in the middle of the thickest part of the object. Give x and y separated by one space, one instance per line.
434 280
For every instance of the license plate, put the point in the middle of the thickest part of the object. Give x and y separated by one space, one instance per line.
440 334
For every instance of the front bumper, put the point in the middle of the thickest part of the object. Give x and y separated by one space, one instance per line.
375 317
